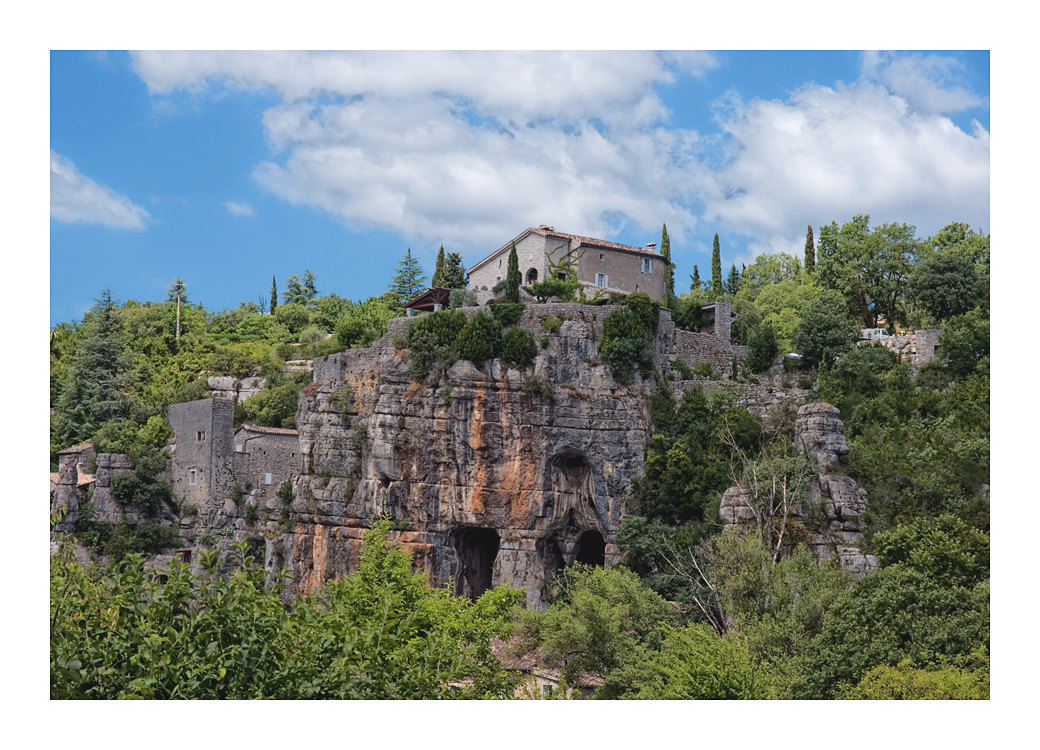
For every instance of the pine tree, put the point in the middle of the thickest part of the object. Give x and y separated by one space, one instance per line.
309 290
733 281
669 268
717 290
294 292
810 253
695 279
274 295
91 393
409 281
454 272
438 272
177 289
513 277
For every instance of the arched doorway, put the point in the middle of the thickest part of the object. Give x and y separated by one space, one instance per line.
532 276
476 549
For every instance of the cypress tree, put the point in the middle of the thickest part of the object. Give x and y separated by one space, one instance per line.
274 294
669 268
733 281
438 271
717 290
695 279
810 252
454 272
408 282
513 277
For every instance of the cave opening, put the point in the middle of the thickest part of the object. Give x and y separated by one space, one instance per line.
591 549
477 549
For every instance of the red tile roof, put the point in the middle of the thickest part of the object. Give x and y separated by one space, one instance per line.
270 430
593 242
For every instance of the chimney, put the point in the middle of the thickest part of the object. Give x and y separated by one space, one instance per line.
651 246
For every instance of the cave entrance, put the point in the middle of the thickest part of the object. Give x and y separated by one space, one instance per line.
477 549
591 549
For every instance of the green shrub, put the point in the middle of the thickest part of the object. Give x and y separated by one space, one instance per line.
683 369
628 334
462 298
480 339
432 340
251 514
141 489
312 335
537 387
285 492
551 324
763 348
543 291
237 493
518 347
507 314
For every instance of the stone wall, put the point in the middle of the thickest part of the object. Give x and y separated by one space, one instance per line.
239 390
203 444
694 348
266 451
917 348
109 466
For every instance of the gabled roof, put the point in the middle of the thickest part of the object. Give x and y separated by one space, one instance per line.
437 295
548 231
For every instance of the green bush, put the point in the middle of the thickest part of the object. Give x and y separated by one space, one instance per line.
824 332
252 514
285 492
480 339
141 489
518 347
462 298
237 493
543 291
312 335
627 339
763 348
683 369
537 387
507 314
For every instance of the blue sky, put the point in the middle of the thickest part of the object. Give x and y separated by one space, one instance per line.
228 168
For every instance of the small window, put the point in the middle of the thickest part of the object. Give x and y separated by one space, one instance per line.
648 265
637 287
499 262
530 255
498 279
267 478
192 475
601 279
200 436
185 555
601 256
238 447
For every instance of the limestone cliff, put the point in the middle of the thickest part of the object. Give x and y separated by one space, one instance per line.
501 484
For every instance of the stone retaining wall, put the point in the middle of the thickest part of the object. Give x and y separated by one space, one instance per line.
917 348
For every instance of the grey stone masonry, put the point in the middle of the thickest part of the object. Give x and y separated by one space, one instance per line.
917 348
265 457
203 449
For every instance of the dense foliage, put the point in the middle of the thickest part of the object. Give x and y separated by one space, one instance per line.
381 633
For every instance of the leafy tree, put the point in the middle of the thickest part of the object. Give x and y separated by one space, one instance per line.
438 272
782 305
964 343
695 279
946 285
543 291
824 332
695 664
946 549
327 311
409 281
141 489
294 316
732 285
454 272
606 626
810 252
669 268
717 289
762 349
893 615
628 334
91 393
513 277
869 267
462 298
769 269
363 323
274 295
275 405
906 682
294 292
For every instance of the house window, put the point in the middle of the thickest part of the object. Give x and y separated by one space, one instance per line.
267 478
648 265
601 256
499 262
192 475
637 287
498 279
601 279
238 447
530 255
200 437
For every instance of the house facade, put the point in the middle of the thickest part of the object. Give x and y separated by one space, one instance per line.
609 266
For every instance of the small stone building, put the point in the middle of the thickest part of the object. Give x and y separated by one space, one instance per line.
609 266
211 456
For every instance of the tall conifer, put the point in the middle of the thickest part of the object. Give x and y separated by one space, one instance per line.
669 268
695 279
733 280
274 294
717 290
454 272
408 282
513 277
438 271
810 252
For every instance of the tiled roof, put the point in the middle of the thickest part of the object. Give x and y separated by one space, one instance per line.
270 430
593 242
82 479
76 448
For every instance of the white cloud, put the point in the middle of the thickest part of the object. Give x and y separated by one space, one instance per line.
469 148
77 198
239 209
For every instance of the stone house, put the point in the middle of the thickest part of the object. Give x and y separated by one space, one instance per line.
609 266
210 456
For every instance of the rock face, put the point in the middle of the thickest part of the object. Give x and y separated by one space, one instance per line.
489 479
830 513
819 432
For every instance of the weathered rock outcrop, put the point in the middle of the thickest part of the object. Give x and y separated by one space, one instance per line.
831 511
491 480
